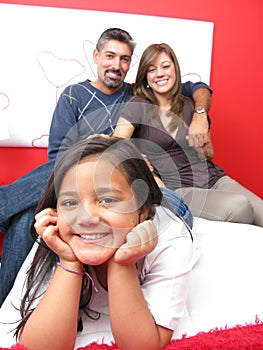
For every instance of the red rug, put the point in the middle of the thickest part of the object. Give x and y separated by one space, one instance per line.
239 338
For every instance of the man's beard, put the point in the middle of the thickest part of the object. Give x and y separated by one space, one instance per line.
112 83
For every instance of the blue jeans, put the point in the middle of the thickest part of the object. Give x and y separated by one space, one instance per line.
16 246
17 205
178 205
24 193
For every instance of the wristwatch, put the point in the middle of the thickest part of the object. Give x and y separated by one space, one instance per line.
200 110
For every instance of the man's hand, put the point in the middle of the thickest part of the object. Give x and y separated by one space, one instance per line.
198 133
199 128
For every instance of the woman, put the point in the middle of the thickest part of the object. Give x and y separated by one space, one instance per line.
158 119
109 254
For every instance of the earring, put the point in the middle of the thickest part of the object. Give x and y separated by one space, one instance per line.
147 86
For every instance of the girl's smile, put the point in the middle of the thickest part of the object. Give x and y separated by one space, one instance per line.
93 236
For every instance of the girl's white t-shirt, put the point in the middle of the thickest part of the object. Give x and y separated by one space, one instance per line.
163 274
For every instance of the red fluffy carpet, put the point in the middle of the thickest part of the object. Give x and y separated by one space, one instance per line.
239 338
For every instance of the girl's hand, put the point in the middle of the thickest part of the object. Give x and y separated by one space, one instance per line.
46 227
140 241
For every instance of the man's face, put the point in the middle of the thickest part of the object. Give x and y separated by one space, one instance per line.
113 64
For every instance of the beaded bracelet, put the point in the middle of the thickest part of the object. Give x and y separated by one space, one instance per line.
81 273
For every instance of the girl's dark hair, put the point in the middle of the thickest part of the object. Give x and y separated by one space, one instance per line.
141 88
125 156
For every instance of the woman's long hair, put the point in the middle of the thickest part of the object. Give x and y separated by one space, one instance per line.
125 156
141 88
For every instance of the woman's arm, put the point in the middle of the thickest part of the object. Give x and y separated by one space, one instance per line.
123 129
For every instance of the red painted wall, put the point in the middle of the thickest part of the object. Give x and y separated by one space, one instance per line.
236 79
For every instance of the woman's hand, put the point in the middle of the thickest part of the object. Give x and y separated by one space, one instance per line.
140 241
46 227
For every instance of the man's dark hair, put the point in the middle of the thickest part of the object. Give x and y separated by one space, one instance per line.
115 34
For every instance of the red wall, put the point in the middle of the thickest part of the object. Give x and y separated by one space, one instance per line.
236 79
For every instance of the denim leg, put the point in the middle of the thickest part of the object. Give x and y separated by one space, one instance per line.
17 244
178 205
23 193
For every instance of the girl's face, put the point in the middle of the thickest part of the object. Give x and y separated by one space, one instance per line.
96 209
161 75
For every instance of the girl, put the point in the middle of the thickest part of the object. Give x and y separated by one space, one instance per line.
159 118
112 262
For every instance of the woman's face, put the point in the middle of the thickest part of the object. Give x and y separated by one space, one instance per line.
161 75
96 209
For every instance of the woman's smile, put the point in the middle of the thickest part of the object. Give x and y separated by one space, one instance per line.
162 82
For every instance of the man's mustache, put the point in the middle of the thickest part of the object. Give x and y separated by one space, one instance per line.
115 71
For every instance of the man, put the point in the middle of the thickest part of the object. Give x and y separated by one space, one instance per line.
83 109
